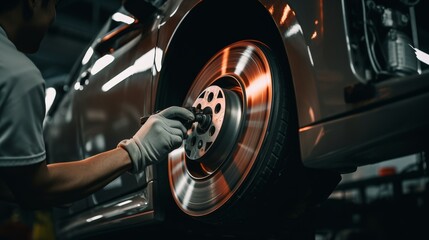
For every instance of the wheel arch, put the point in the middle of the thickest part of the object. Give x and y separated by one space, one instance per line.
192 46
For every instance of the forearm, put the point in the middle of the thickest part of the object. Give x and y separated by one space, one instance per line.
70 181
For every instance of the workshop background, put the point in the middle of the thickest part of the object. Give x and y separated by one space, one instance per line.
384 199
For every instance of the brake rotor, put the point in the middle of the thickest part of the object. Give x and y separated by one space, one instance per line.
213 163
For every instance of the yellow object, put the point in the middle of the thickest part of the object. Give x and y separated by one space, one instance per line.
43 226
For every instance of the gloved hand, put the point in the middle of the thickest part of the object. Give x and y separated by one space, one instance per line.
159 135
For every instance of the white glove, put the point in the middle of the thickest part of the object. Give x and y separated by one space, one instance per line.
159 135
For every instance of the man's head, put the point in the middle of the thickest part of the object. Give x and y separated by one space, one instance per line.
27 21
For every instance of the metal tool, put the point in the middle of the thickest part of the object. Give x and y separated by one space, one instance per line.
202 116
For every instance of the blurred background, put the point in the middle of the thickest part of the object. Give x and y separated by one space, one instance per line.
77 23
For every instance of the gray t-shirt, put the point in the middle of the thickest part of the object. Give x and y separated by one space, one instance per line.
22 107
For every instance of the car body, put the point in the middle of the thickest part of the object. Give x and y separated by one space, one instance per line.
306 91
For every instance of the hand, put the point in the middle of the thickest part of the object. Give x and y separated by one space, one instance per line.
160 134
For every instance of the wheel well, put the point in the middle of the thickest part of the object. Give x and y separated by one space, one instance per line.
224 22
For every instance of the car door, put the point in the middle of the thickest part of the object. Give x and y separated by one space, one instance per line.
114 92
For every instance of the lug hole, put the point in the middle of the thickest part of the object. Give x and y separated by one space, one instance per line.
217 108
210 97
212 130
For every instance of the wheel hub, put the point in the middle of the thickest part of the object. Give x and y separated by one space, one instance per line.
208 141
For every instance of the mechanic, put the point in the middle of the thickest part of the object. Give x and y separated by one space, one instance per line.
25 176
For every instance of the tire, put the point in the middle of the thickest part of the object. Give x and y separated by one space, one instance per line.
245 164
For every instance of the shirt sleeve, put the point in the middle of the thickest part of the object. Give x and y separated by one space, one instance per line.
21 128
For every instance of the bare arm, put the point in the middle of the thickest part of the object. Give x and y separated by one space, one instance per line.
41 185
